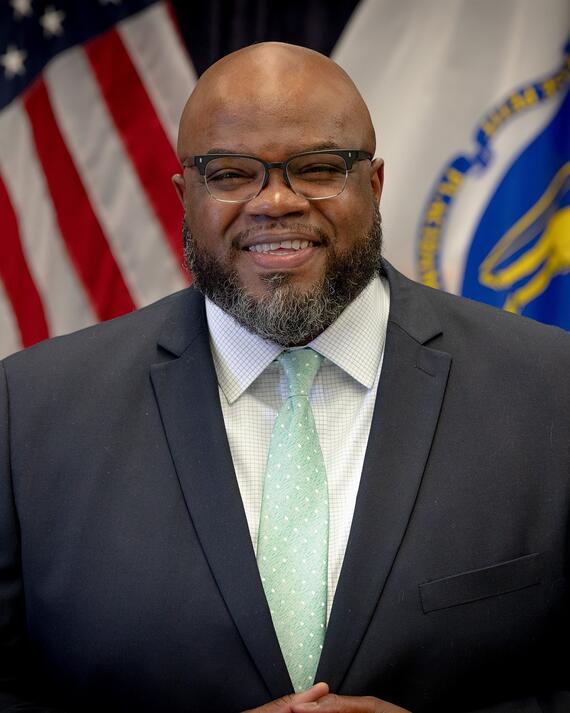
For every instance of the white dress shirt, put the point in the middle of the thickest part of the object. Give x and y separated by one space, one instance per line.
253 387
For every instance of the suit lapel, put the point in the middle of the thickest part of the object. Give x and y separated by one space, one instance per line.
410 394
186 390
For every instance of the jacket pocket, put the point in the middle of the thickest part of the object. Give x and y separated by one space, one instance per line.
481 583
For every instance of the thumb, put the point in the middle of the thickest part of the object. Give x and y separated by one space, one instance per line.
311 694
283 705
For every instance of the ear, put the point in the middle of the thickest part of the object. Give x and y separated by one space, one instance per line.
377 178
179 187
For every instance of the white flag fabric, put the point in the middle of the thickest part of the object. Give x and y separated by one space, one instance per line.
470 104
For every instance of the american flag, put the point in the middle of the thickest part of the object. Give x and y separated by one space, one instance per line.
90 97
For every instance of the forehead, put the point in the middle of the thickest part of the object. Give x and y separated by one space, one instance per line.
268 133
272 117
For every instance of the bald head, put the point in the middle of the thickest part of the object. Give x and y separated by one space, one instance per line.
271 81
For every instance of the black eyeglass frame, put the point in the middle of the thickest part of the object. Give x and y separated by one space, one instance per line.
350 156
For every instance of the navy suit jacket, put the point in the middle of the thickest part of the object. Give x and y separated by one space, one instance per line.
127 577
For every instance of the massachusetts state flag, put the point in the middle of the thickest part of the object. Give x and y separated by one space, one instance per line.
90 98
471 107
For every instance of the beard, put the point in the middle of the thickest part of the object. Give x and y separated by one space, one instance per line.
288 315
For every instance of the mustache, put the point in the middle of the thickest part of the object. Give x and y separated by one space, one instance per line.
306 228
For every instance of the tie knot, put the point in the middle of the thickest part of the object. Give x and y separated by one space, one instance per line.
300 366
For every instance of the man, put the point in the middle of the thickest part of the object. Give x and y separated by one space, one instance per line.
155 542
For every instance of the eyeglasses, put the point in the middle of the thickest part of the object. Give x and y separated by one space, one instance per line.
315 175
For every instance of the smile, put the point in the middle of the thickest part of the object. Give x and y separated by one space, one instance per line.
284 253
282 245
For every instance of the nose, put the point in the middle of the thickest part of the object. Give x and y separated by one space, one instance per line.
276 199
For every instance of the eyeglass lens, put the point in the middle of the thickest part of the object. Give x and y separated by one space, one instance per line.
237 178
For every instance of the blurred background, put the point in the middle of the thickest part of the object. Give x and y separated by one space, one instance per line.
469 99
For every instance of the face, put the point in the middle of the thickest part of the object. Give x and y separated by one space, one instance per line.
336 237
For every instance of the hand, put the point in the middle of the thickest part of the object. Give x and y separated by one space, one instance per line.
346 704
284 705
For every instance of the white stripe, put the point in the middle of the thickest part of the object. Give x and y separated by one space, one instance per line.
162 63
118 198
10 340
65 303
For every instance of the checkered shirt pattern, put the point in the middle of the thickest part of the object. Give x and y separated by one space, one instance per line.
253 387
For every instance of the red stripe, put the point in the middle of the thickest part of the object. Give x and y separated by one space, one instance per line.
15 274
140 129
80 229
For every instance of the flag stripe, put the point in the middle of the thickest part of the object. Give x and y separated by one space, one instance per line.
10 340
137 240
167 76
63 296
79 226
15 274
139 127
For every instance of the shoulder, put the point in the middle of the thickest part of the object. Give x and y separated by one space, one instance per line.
491 351
487 330
117 343
465 323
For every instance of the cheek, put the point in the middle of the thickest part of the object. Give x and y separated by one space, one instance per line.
209 222
351 220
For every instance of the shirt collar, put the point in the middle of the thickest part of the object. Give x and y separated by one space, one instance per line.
354 342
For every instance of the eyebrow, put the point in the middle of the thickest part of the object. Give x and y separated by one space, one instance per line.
314 147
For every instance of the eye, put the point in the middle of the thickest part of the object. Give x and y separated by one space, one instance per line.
318 170
229 175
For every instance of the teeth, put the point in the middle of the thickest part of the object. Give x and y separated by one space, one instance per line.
285 244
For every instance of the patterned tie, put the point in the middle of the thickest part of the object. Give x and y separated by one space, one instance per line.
292 550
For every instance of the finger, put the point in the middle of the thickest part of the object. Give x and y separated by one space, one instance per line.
283 705
347 704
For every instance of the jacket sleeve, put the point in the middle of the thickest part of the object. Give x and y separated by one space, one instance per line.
19 682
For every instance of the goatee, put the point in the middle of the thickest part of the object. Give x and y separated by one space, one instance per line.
288 315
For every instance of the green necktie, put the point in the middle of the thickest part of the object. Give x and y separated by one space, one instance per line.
292 551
